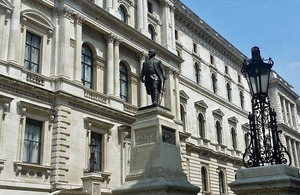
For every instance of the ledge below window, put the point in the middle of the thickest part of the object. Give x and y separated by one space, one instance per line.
32 170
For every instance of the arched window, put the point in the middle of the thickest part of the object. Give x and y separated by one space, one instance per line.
197 73
201 125
228 92
233 138
221 182
219 132
182 115
86 66
151 32
123 82
242 101
204 179
214 83
123 14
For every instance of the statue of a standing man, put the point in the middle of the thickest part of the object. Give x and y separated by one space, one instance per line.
154 76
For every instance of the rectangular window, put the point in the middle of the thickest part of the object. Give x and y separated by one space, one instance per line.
32 141
176 34
98 154
212 60
150 9
32 52
226 69
195 48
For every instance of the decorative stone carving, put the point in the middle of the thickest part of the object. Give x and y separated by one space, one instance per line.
145 136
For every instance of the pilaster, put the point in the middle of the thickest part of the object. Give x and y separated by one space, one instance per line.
64 42
15 33
143 95
78 44
110 65
117 67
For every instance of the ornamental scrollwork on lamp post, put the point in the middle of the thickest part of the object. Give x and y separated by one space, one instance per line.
265 147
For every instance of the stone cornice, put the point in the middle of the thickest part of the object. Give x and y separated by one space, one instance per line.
207 33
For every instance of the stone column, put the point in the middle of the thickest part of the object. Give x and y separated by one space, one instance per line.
15 33
140 18
285 111
172 8
169 91
117 67
294 145
143 95
290 149
298 152
145 16
115 5
78 45
109 5
110 65
290 115
165 26
177 95
63 43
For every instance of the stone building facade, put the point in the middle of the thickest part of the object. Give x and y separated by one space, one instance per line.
69 73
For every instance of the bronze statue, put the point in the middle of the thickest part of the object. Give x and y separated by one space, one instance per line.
154 76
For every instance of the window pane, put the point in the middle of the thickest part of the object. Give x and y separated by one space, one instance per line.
27 52
35 41
98 154
26 65
28 38
88 74
34 67
34 55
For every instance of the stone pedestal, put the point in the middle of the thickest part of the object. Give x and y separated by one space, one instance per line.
267 180
91 183
155 166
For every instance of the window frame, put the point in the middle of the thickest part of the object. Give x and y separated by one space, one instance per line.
31 47
197 72
100 127
219 132
123 8
229 93
151 31
28 122
46 116
206 180
122 80
84 65
214 82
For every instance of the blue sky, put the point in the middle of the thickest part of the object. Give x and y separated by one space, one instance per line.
272 25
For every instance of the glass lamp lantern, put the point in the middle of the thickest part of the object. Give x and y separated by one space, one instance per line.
257 73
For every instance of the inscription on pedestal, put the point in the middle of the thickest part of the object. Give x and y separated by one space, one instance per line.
168 135
145 136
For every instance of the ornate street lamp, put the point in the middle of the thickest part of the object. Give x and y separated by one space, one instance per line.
93 147
265 147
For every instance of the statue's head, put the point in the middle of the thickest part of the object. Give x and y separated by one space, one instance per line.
151 53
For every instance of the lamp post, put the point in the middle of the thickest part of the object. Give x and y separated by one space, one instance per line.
93 147
265 147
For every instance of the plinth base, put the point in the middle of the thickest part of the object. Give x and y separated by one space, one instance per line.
267 180
155 166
